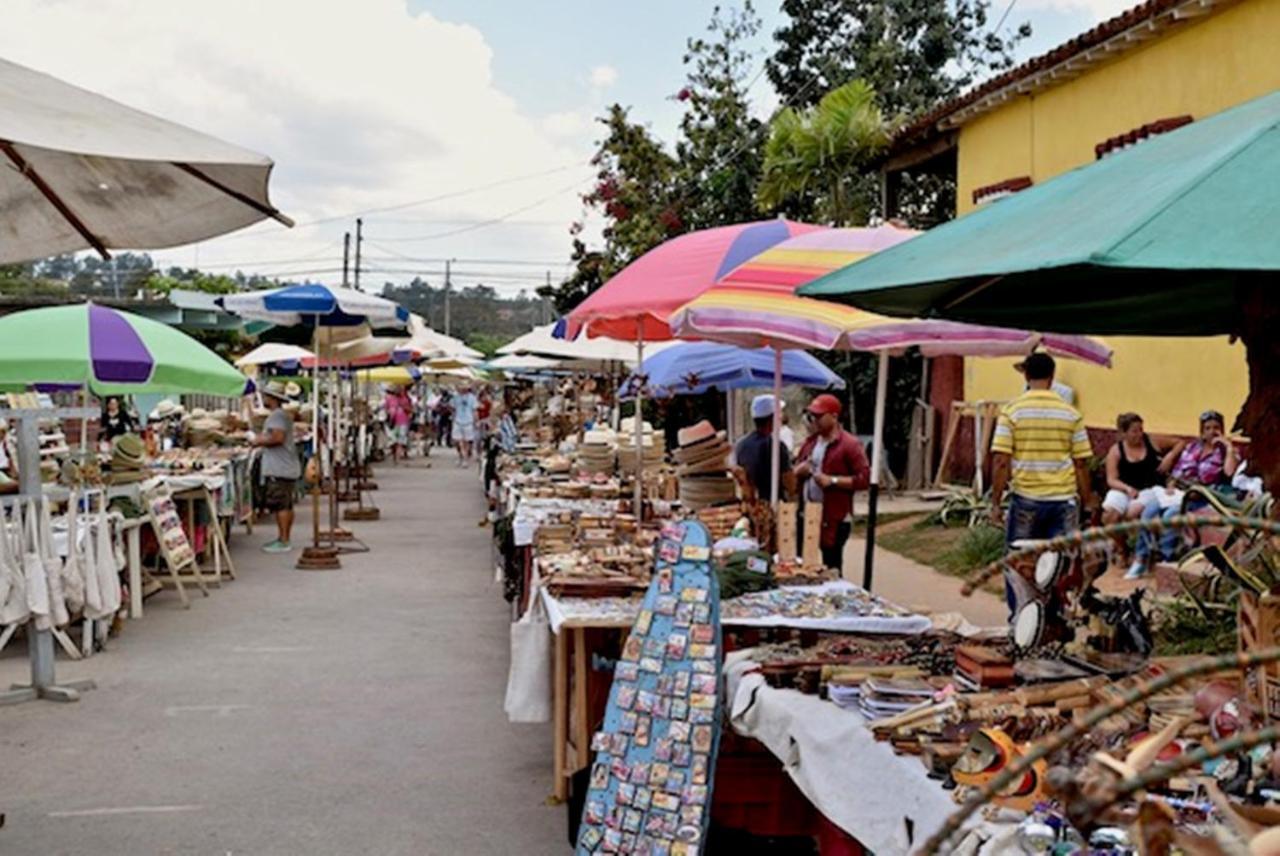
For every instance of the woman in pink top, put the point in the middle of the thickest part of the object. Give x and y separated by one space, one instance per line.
399 415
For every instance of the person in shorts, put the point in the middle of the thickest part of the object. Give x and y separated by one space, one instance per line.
280 466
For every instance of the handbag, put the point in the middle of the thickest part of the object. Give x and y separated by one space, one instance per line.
529 679
52 569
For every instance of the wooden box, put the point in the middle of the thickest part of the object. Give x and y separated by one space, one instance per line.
1259 627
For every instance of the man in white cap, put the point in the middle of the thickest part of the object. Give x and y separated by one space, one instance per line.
753 455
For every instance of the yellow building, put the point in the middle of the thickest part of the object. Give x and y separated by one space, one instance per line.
1156 66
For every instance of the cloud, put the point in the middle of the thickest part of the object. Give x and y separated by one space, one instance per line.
361 105
603 76
1096 10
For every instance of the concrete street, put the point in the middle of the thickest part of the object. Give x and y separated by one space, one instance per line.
291 712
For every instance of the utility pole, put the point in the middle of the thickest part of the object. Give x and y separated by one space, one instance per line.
542 310
346 256
359 241
448 284
115 278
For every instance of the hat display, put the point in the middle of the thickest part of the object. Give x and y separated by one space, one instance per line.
128 457
825 404
292 389
701 466
164 410
762 406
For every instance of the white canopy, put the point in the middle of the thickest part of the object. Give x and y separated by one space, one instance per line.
271 353
523 363
86 171
432 342
583 352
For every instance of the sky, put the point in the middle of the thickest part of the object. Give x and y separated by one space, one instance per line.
459 129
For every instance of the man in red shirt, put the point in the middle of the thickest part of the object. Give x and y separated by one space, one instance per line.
832 465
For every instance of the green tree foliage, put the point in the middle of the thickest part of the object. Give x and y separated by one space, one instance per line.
822 153
720 152
913 53
474 311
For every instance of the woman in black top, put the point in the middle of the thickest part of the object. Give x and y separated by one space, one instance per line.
1133 468
115 420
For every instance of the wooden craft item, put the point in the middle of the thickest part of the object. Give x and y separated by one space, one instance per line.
787 531
811 554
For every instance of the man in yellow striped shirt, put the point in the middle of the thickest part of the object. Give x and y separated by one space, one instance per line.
1041 450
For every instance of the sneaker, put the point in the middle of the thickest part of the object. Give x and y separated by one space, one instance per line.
276 547
1136 571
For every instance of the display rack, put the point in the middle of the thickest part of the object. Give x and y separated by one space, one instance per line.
44 684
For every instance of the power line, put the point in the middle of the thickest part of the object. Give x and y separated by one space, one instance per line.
496 220
538 263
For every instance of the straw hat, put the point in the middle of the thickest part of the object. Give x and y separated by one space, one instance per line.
164 410
278 391
292 389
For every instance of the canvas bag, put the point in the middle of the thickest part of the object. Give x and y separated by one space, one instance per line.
8 577
33 569
93 601
15 609
529 679
72 573
105 561
52 569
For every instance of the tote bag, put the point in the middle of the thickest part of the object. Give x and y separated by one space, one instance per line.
33 569
52 569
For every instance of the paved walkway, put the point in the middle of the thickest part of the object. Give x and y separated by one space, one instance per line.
341 712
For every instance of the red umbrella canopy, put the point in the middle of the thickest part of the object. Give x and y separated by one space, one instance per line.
636 303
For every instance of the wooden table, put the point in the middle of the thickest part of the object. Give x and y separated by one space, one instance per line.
573 750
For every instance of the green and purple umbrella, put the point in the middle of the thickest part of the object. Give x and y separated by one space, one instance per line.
113 352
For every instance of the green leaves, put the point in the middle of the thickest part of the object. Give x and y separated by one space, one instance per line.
822 152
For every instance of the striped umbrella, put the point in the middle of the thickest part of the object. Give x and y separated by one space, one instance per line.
109 351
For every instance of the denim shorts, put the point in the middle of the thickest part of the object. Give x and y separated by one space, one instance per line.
1040 519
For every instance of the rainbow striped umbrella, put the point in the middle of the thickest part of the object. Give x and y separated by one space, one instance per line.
755 304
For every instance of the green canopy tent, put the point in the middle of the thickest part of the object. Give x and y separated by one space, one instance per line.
1176 236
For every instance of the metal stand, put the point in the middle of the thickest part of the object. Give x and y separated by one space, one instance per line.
44 684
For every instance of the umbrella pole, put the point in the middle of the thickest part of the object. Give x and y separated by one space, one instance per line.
315 557
877 462
775 441
639 492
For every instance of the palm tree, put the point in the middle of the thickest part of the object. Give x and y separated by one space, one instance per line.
817 153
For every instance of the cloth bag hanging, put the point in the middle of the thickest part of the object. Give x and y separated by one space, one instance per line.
93 602
13 607
529 679
33 569
72 574
105 561
52 569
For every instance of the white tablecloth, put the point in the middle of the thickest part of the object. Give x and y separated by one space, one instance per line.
883 800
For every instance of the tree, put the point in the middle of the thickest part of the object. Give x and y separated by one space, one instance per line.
913 53
720 152
821 153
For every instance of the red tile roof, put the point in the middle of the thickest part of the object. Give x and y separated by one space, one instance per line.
928 123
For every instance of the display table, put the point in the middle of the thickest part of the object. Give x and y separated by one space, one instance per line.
882 799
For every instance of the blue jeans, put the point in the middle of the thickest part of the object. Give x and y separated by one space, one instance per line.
1038 520
1169 539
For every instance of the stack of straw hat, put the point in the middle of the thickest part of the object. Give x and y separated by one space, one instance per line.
128 460
701 465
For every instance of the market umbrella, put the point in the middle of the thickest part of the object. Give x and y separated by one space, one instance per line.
756 304
321 307
110 352
636 303
691 368
86 171
272 353
1152 240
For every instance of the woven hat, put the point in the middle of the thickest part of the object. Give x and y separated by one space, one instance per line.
128 449
164 410
292 389
694 433
277 390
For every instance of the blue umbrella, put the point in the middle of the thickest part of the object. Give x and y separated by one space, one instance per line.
695 367
316 305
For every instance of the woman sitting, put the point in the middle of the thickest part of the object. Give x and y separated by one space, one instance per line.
1208 461
1133 468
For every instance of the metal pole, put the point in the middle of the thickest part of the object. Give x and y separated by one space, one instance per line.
877 462
359 241
775 441
639 492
